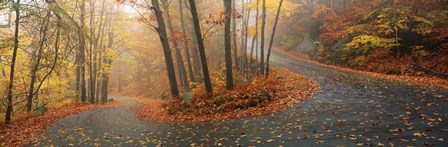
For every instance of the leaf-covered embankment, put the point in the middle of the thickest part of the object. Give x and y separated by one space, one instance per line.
24 129
281 90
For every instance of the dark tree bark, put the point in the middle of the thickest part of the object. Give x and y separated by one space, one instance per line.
180 61
197 28
187 48
9 107
272 36
194 51
105 77
228 48
82 47
263 27
166 48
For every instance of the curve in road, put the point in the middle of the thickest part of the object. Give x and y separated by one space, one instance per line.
351 109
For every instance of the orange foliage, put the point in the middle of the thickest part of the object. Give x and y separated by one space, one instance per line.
262 96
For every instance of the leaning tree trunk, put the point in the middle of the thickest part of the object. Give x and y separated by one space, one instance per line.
235 48
263 29
272 37
187 48
82 47
194 52
197 28
180 61
228 48
43 35
9 107
56 56
166 48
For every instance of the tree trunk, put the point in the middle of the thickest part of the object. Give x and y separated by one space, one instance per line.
197 27
263 27
9 107
256 37
166 48
253 39
91 58
246 33
180 61
235 48
107 63
43 35
194 52
3 69
56 50
228 48
82 53
187 48
272 37
98 79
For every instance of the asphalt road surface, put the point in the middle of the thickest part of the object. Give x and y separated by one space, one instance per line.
350 110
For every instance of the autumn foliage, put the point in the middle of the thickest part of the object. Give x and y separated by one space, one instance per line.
261 96
378 35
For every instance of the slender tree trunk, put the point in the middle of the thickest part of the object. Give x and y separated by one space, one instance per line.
235 48
101 56
166 48
3 69
197 27
82 53
228 48
256 36
98 79
243 43
187 48
56 57
272 37
263 29
43 35
246 31
9 107
148 72
105 78
78 74
91 58
119 78
194 51
396 29
180 61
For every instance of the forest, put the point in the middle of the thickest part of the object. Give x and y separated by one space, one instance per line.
223 72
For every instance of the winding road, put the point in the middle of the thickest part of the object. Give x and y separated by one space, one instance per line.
350 110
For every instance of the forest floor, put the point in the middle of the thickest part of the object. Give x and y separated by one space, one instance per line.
25 127
351 109
281 90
